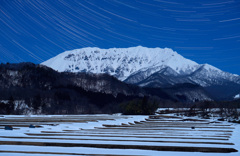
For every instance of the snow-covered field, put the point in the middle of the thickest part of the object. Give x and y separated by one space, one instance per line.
117 135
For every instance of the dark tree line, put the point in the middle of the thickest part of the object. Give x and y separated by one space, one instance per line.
144 106
27 87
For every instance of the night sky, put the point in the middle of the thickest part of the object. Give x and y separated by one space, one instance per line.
205 31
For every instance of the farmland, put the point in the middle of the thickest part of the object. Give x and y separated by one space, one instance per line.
165 134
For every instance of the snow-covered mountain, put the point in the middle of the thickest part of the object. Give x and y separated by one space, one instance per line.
152 67
120 62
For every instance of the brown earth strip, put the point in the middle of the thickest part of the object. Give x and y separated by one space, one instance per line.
16 125
152 129
170 126
163 116
142 147
44 121
156 134
144 134
174 122
56 119
33 134
159 141
32 152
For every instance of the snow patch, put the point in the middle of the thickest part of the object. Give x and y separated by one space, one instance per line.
237 96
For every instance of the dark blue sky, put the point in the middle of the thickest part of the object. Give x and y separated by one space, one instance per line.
205 31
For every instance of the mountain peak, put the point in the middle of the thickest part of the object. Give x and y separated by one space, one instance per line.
119 62
210 67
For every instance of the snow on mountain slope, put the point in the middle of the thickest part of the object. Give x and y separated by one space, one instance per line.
207 74
120 62
137 65
237 96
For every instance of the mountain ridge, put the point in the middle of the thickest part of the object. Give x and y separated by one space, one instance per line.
37 89
129 60
140 65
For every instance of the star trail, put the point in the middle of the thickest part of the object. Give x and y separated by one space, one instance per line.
206 31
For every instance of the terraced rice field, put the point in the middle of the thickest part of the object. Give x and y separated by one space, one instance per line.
117 135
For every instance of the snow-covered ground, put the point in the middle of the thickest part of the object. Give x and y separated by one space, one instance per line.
116 135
